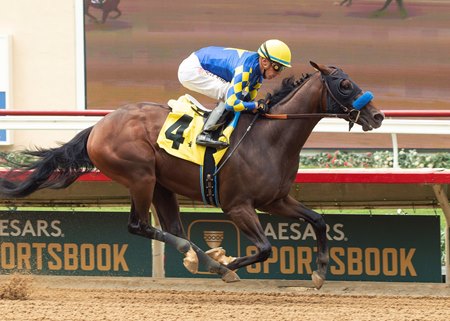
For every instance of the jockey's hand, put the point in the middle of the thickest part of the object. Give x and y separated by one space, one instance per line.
262 107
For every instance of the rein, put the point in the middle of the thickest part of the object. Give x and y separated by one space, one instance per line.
300 116
238 143
351 115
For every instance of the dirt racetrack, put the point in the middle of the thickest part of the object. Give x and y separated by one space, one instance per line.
56 298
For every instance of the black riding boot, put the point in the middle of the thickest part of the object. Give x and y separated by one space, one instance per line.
211 124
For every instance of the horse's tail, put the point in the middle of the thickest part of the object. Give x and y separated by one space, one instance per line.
48 168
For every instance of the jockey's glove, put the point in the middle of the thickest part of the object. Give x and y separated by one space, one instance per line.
262 107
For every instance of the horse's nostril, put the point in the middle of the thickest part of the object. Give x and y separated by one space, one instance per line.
379 117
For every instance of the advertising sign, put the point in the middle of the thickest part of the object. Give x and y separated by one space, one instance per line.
72 243
361 247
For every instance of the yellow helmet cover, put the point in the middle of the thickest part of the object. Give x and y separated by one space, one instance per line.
276 51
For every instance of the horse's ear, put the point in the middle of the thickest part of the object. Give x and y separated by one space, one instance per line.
316 66
320 68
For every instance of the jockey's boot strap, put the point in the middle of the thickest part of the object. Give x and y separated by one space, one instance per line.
205 139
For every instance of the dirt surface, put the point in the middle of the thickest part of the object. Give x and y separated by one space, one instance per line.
56 298
404 62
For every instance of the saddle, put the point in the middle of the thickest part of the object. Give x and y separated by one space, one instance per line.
177 137
183 124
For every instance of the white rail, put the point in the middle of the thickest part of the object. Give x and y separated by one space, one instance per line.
327 125
48 122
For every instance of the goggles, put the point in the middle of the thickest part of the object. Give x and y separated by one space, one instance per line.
277 67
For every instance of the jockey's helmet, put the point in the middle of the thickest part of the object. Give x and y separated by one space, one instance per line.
276 51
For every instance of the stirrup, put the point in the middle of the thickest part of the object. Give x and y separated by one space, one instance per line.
206 140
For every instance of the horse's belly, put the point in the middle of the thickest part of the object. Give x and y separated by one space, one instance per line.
178 176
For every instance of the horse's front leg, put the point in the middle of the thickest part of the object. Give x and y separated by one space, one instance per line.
117 15
402 9
291 208
245 217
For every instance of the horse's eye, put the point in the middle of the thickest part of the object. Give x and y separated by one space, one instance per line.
346 87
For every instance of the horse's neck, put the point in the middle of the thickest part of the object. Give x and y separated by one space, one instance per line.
292 134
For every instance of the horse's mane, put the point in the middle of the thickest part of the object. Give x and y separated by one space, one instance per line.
287 86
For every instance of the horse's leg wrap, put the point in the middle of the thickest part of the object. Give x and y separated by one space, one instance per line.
218 254
215 267
190 260
183 246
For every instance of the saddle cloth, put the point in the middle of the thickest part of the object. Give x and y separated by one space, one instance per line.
182 125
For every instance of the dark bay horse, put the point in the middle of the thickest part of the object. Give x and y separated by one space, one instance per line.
107 7
379 12
258 175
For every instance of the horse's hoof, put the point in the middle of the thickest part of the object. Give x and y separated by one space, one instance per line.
317 280
230 277
190 261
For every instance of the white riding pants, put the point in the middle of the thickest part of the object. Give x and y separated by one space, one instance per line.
192 76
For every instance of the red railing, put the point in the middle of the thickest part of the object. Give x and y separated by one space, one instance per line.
97 112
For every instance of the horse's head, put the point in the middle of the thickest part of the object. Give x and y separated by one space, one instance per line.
343 96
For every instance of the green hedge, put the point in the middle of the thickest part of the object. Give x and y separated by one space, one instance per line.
379 159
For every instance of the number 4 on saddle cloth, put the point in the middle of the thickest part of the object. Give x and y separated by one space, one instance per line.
178 134
183 124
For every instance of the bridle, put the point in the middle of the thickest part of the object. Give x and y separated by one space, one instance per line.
336 100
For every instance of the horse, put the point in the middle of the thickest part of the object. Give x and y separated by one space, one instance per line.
256 173
379 12
107 6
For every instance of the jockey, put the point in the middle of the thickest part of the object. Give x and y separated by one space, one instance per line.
232 76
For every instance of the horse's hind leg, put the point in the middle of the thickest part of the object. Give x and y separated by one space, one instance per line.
166 206
139 221
93 18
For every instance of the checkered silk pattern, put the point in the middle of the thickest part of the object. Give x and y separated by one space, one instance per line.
241 94
238 67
